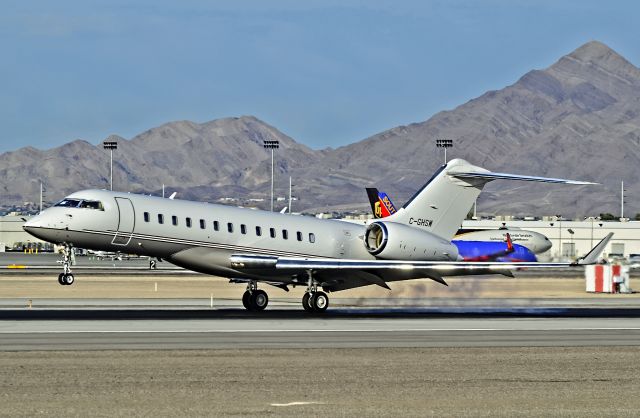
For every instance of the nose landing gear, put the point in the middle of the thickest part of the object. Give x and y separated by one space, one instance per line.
66 277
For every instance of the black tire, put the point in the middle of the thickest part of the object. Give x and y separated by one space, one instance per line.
259 300
60 279
306 302
319 302
69 279
246 296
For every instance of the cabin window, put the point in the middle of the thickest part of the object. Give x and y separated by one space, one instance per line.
188 222
299 235
216 226
174 220
230 227
243 229
312 237
285 234
272 232
258 231
203 224
146 216
160 218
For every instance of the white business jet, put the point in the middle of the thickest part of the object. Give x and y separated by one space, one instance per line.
249 246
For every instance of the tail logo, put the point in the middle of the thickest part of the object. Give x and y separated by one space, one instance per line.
377 210
387 204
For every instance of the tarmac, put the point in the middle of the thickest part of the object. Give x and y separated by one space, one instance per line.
135 342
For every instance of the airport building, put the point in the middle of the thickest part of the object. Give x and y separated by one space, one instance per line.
14 238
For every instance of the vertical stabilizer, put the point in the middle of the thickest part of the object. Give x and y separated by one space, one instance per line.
443 203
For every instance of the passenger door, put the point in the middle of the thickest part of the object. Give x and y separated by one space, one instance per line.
126 221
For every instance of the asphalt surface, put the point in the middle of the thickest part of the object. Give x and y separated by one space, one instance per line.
145 346
123 329
21 263
379 382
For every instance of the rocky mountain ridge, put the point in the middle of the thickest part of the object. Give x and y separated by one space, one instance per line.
578 118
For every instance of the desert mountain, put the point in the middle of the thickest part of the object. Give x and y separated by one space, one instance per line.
578 118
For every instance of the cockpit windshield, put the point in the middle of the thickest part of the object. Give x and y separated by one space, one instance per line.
68 203
91 204
80 203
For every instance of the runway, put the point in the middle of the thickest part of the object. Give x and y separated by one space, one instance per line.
394 357
117 329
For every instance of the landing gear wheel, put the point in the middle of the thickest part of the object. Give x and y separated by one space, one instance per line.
66 278
306 302
246 300
319 302
259 300
69 279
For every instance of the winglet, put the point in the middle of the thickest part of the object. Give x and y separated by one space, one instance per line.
593 255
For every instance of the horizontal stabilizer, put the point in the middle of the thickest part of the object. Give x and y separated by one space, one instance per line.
503 176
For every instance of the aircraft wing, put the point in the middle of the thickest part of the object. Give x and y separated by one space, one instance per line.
442 267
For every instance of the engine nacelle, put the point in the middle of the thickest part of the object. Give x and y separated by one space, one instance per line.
394 241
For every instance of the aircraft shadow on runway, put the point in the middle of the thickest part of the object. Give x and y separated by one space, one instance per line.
336 313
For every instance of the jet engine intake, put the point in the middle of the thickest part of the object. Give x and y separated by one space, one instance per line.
391 240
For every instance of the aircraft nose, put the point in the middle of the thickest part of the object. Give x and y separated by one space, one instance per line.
546 245
36 227
35 222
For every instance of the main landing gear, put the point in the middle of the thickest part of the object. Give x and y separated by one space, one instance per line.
314 300
66 277
254 299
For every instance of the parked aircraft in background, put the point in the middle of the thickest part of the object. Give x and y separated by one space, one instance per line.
535 242
252 246
479 245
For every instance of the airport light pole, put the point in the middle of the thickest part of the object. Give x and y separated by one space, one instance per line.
573 250
272 145
559 219
622 200
290 194
110 145
592 219
444 143
41 194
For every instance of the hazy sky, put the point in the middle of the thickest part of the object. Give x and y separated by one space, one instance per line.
325 72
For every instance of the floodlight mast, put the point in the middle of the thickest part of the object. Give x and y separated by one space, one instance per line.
272 145
110 145
444 143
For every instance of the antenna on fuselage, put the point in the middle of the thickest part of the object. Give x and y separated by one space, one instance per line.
173 195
